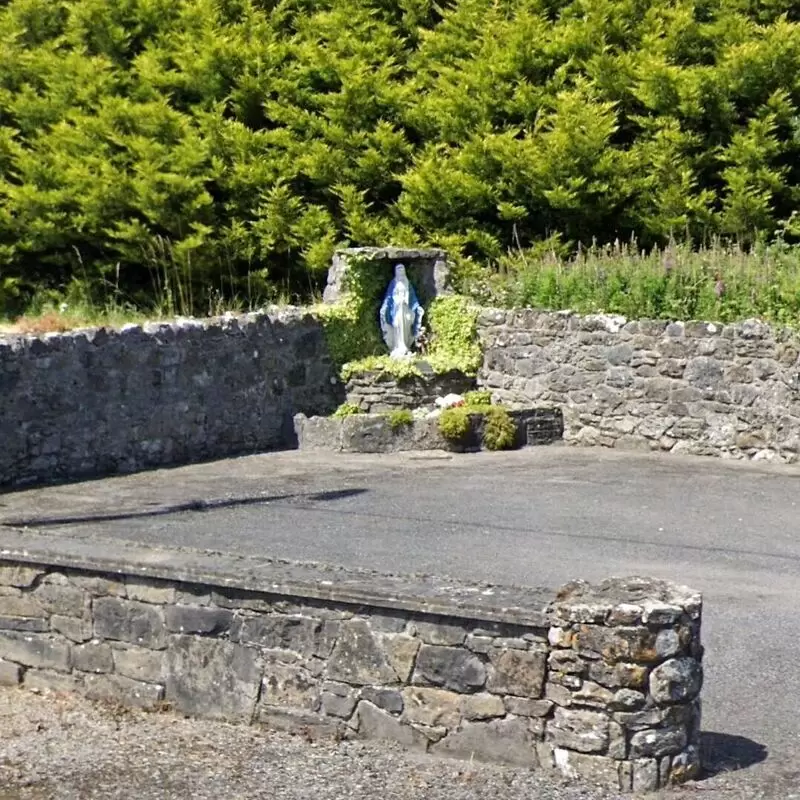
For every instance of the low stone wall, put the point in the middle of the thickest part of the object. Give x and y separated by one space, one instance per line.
373 433
102 401
694 387
600 682
374 392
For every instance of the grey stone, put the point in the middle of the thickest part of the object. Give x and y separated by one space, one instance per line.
118 689
335 705
198 619
576 729
19 575
99 585
291 686
479 644
22 605
598 770
387 699
525 707
92 657
139 663
517 672
482 706
304 635
504 741
77 629
358 657
657 743
645 775
129 621
35 650
27 624
440 633
10 674
60 597
51 681
149 591
373 723
566 661
212 678
676 681
452 667
627 700
434 707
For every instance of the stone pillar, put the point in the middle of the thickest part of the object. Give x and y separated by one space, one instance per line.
625 673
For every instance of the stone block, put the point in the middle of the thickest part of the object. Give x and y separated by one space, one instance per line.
597 770
147 590
373 723
212 678
35 650
51 681
98 585
482 706
526 707
576 729
92 657
300 634
504 741
139 663
290 686
129 621
57 595
22 605
401 652
517 672
21 576
436 707
335 705
621 675
10 674
198 619
684 767
25 624
440 633
593 695
119 689
451 667
618 644
676 681
387 699
566 661
76 629
657 743
359 658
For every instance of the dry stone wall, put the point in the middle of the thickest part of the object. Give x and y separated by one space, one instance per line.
600 682
103 401
695 387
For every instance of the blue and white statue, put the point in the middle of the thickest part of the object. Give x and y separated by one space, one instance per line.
400 315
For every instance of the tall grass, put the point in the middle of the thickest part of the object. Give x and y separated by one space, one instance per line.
718 282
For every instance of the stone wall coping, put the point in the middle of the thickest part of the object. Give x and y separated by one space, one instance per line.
416 593
391 253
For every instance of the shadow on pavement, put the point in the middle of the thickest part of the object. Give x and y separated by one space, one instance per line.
724 752
179 508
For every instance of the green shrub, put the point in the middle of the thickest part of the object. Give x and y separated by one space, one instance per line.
454 423
499 430
401 418
347 410
478 398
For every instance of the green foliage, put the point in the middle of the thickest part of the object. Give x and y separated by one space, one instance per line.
453 320
182 153
478 398
400 418
454 423
714 283
346 410
396 367
499 431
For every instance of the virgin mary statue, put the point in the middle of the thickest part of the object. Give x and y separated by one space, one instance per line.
400 315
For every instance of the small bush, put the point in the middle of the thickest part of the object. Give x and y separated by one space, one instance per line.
478 398
454 423
400 418
347 410
499 431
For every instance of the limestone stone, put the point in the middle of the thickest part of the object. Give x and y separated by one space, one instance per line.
118 689
482 706
618 644
139 663
598 770
35 650
335 705
676 681
518 673
301 634
198 619
386 699
24 605
627 700
373 723
76 629
592 694
19 575
566 661
656 743
576 729
290 685
629 676
479 644
129 621
526 707
56 595
98 585
685 765
92 657
437 707
10 673
213 678
440 633
358 657
49 680
645 775
505 741
451 667
25 624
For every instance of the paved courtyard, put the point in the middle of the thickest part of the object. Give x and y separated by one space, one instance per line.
539 517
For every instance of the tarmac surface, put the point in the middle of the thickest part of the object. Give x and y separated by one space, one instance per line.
536 517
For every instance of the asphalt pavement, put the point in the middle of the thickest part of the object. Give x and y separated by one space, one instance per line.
537 517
